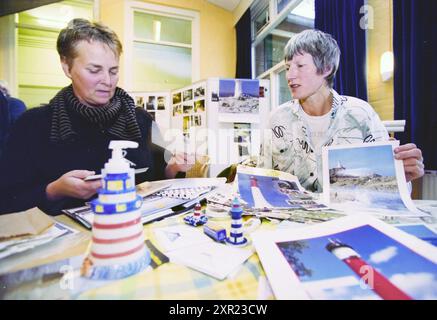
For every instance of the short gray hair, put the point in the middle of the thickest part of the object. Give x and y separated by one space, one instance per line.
80 29
321 46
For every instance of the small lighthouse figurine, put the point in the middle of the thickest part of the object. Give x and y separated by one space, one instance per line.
198 218
236 236
117 248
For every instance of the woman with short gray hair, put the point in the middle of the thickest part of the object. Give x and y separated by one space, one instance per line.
318 116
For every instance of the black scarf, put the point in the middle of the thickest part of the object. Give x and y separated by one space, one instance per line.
118 116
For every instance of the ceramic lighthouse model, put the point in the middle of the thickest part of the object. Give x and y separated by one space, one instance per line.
236 236
117 248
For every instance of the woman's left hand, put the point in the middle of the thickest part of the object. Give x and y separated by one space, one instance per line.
180 162
412 158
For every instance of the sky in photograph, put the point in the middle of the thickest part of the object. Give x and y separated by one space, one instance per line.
249 87
378 159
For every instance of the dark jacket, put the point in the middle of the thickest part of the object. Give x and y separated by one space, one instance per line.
31 161
5 120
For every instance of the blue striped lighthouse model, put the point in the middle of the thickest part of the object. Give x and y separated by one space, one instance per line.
117 248
236 236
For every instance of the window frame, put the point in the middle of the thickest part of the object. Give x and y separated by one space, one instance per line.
135 6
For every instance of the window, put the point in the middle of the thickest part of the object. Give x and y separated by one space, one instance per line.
165 44
40 75
288 17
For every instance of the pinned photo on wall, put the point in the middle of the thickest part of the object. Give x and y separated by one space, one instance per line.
199 92
199 105
197 121
139 101
188 108
177 98
186 123
262 91
239 96
188 94
161 103
151 103
177 110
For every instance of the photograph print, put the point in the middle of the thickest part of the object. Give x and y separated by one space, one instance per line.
161 103
188 95
239 96
199 92
199 105
366 177
177 97
151 103
266 191
360 263
139 101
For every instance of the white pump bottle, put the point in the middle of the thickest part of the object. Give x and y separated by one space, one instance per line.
118 163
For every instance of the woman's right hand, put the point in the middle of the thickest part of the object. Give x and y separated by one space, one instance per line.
72 185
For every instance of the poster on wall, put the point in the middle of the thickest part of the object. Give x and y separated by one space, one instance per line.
237 100
239 96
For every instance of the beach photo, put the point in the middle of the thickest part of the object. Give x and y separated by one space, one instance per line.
239 96
363 176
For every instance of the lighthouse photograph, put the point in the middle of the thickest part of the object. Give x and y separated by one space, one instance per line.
365 177
239 96
360 263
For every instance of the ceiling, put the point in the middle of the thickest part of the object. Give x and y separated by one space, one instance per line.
9 6
229 5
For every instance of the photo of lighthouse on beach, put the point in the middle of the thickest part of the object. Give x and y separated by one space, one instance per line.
366 178
350 258
239 96
261 188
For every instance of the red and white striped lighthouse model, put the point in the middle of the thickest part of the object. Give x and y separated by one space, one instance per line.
118 248
381 285
258 198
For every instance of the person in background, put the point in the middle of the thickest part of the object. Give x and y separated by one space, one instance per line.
52 148
318 116
16 106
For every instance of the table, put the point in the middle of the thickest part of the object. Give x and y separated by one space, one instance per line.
168 281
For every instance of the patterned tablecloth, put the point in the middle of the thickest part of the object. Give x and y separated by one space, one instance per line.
167 281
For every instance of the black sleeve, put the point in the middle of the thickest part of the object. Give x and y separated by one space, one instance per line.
20 184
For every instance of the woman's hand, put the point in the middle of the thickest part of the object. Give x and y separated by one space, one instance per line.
72 185
412 158
180 162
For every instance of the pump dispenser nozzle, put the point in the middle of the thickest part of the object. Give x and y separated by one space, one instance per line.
117 163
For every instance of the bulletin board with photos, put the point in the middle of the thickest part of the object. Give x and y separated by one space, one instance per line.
188 108
157 104
223 117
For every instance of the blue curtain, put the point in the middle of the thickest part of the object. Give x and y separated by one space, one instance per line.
415 74
341 19
244 47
